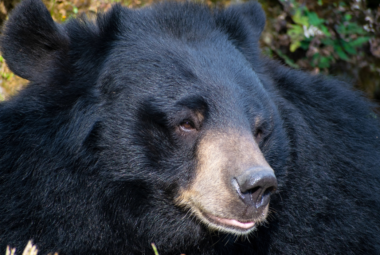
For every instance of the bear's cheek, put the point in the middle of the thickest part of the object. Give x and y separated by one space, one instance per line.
227 162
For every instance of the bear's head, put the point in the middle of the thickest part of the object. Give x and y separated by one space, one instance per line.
180 121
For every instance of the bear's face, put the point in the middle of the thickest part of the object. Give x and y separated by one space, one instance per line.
178 120
195 117
164 125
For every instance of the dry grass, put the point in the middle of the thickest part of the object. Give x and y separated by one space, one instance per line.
30 249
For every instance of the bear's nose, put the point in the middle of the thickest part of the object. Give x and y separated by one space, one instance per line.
255 186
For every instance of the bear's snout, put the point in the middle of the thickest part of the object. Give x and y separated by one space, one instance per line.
255 186
237 199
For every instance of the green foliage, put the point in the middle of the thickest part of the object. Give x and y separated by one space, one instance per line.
5 75
340 37
308 25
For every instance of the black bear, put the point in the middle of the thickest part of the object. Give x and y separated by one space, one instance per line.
165 125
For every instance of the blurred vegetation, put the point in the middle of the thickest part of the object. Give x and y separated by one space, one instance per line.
334 37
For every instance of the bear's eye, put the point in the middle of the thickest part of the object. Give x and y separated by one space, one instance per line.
187 126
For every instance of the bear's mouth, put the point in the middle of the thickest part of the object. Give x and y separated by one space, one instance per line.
231 222
229 225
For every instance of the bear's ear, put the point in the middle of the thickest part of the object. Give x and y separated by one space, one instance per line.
243 23
32 42
237 20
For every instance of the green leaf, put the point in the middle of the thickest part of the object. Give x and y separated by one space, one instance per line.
348 48
347 17
327 41
325 62
315 59
300 19
359 41
341 29
295 31
325 31
341 3
341 53
294 46
353 28
296 35
305 44
314 19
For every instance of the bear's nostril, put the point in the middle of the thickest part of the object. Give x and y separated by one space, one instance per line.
255 186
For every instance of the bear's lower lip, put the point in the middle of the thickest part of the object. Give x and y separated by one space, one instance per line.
231 222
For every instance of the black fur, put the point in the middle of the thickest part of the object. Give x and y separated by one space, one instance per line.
90 162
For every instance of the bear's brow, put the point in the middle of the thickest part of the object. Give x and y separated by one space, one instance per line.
195 102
